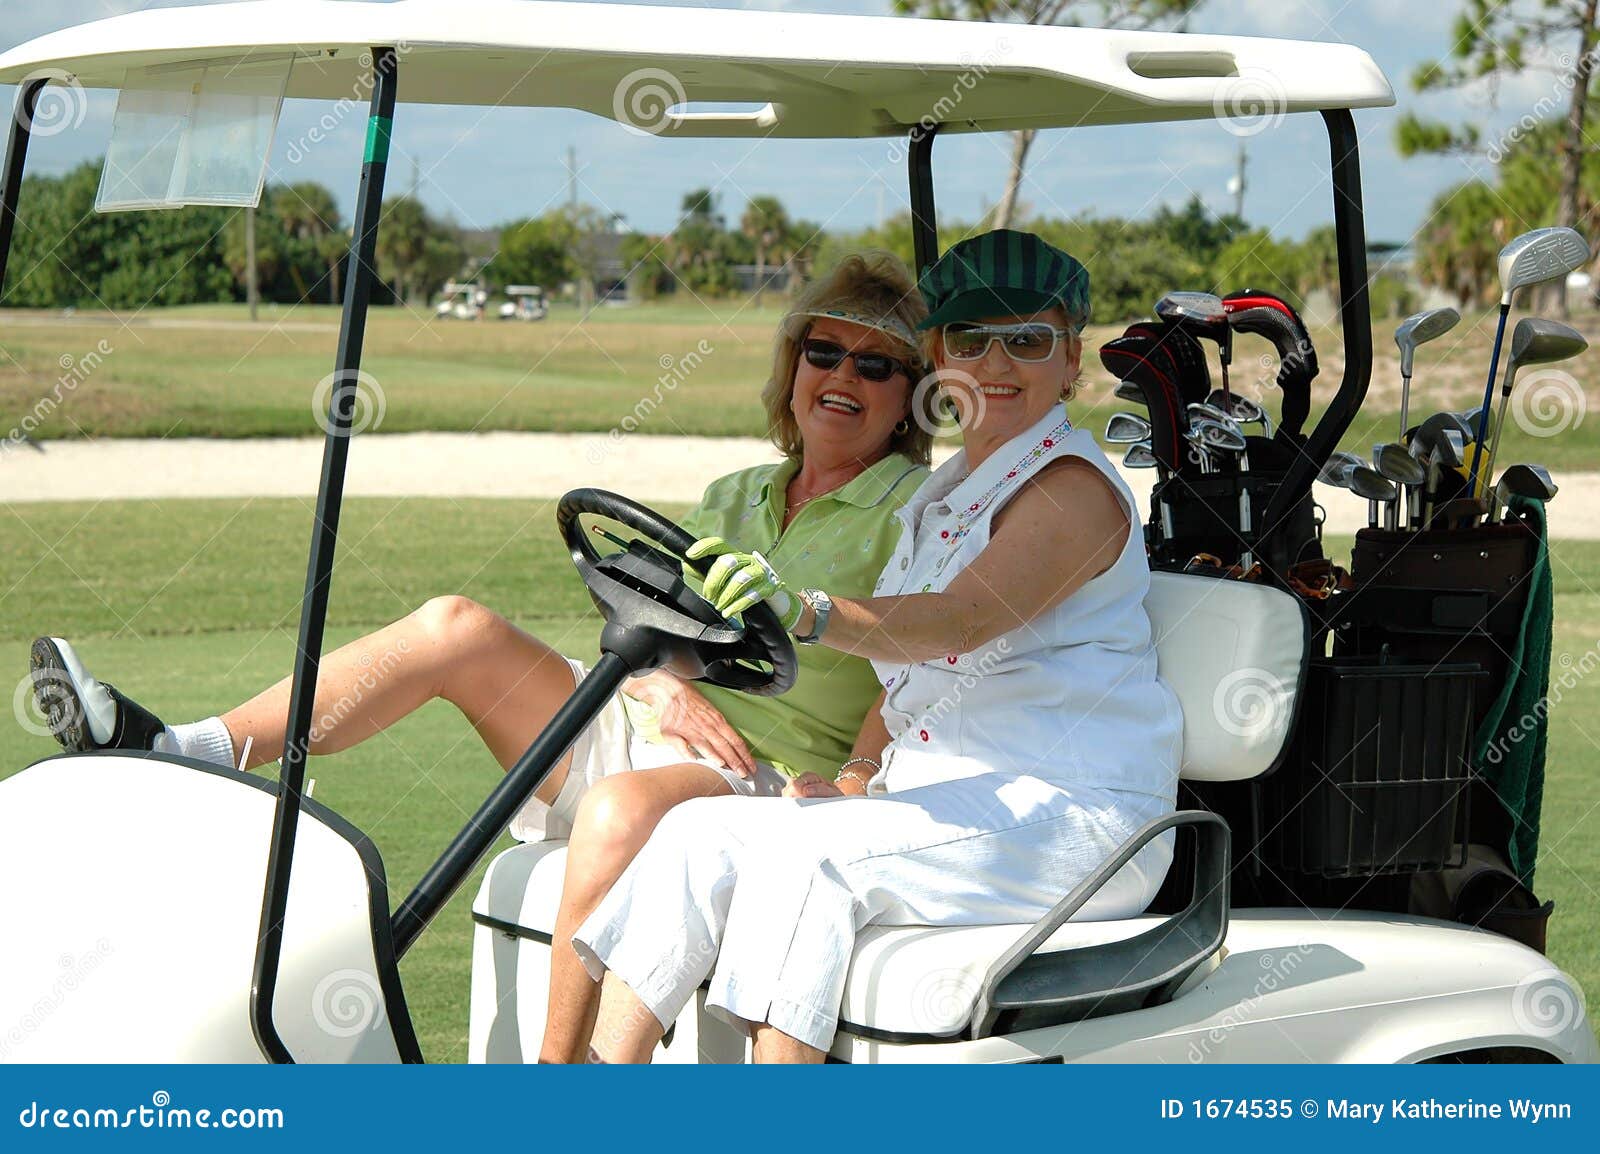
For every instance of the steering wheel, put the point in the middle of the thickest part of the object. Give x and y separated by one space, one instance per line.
653 619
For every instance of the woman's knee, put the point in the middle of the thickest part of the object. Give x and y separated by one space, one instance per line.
616 816
452 617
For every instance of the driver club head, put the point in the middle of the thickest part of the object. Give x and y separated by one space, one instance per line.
1539 256
1419 329
1126 429
1528 481
1192 307
1540 341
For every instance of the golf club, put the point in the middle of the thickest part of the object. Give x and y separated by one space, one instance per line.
1368 483
1203 315
1242 409
1449 452
1127 429
1139 456
1394 462
1532 258
1130 392
1272 317
1535 341
1522 481
1418 329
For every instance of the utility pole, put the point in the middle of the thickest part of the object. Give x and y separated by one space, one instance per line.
1237 184
252 286
572 179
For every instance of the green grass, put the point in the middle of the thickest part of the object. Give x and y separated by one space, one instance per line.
204 371
190 606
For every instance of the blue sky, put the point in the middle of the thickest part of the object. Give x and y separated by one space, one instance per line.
482 170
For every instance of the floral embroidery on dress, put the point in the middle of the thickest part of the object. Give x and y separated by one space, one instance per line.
963 526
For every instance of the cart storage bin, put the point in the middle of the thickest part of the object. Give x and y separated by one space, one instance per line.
1377 779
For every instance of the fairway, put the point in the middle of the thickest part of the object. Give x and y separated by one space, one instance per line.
191 606
681 367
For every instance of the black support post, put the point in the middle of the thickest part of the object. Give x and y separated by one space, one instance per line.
359 279
924 217
16 158
1355 317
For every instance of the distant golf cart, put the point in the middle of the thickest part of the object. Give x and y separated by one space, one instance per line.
152 867
524 302
461 302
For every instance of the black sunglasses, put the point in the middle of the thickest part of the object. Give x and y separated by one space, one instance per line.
822 354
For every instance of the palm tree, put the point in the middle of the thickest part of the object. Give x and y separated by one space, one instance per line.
767 225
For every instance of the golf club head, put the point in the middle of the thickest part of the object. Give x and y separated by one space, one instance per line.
1139 456
1539 256
1398 465
1367 484
1338 463
1433 430
1241 409
1539 341
1450 452
1419 329
1528 481
1208 412
1126 429
1204 309
1226 438
1130 392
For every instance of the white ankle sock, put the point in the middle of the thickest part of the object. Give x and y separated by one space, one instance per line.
206 740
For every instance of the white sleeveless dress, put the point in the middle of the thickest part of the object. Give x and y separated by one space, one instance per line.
1010 779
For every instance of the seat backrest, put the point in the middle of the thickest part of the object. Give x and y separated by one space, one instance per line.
1235 654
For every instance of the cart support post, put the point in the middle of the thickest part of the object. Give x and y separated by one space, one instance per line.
16 158
359 277
1355 317
924 216
445 876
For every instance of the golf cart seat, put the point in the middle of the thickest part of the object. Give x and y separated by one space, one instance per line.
1233 653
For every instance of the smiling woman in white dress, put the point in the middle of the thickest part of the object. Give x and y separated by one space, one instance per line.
1023 732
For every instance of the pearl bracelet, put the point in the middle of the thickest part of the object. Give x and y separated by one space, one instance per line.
844 769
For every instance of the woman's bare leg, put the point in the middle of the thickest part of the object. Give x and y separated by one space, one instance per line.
773 1045
630 1029
507 683
613 822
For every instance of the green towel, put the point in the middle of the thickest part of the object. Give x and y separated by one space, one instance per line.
1510 743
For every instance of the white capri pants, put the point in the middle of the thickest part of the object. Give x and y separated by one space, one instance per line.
770 892
611 745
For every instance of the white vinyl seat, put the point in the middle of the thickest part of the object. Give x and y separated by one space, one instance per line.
1235 655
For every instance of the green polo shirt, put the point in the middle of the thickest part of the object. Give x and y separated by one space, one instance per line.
838 542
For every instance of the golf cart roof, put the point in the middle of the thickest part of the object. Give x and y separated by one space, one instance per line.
802 75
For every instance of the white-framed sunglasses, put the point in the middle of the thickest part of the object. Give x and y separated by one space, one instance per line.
1030 341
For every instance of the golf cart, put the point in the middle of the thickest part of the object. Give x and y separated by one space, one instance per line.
461 302
524 302
145 869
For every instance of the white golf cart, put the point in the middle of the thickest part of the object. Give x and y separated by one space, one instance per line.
461 302
524 302
134 879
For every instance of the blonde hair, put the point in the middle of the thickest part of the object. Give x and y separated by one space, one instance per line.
873 283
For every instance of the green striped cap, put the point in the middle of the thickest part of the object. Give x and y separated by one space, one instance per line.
1004 273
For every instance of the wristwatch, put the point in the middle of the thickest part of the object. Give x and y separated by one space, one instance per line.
822 605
